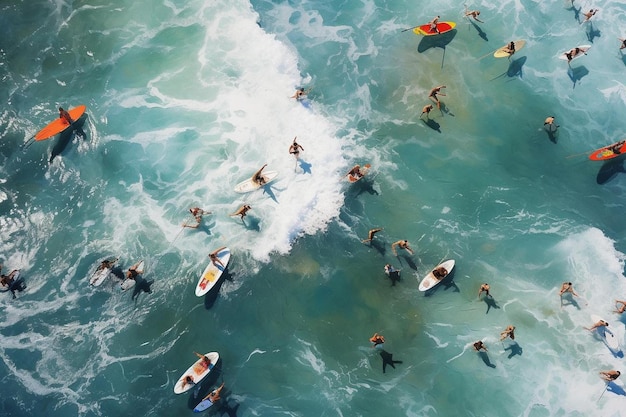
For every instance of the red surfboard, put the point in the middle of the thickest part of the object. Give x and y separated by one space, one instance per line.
442 27
59 125
609 152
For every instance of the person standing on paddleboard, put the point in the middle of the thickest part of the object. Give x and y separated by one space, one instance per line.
433 25
433 95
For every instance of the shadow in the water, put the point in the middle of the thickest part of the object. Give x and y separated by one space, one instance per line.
408 260
141 285
622 57
66 137
515 67
379 246
365 185
491 303
445 109
388 360
576 74
306 167
609 170
481 33
592 32
515 349
211 296
615 389
432 124
267 189
253 223
567 299
576 12
485 358
227 408
394 277
552 129
436 41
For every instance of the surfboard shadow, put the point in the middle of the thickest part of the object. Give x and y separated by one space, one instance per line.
515 349
267 189
66 137
552 131
609 170
485 359
577 73
252 224
365 185
408 260
481 33
615 389
379 246
141 285
567 299
388 360
394 277
211 297
491 303
444 109
576 12
592 32
437 41
515 67
432 124
622 57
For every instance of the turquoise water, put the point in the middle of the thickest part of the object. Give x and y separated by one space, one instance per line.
186 99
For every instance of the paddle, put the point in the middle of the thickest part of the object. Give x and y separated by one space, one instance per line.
605 388
579 154
414 27
29 142
486 55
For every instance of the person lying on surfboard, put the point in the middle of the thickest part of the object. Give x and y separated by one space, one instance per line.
204 364
355 172
188 380
573 53
132 272
590 14
257 178
107 264
609 376
63 114
440 273
600 323
616 148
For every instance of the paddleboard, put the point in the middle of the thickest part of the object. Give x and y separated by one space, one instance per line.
193 372
130 283
203 406
501 53
605 153
249 185
5 288
59 125
583 48
608 336
430 281
212 273
364 170
442 27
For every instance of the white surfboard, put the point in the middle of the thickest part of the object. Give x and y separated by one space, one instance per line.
196 372
212 273
101 275
249 185
583 48
430 281
606 333
130 283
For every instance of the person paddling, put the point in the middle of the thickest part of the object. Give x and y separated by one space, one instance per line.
377 339
258 178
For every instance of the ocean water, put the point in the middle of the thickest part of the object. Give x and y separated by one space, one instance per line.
187 98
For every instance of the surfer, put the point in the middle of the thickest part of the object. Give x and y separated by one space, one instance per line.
257 178
621 309
371 233
197 213
567 287
295 148
402 244
11 283
214 395
107 264
600 323
609 376
63 114
549 122
241 211
623 44
589 14
215 259
132 272
355 172
484 288
426 109
300 93
478 346
440 273
508 332
188 380
433 25
573 53
433 95
377 339
205 363
474 14
510 48
616 148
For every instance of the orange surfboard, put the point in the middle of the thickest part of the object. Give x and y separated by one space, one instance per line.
59 125
607 152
